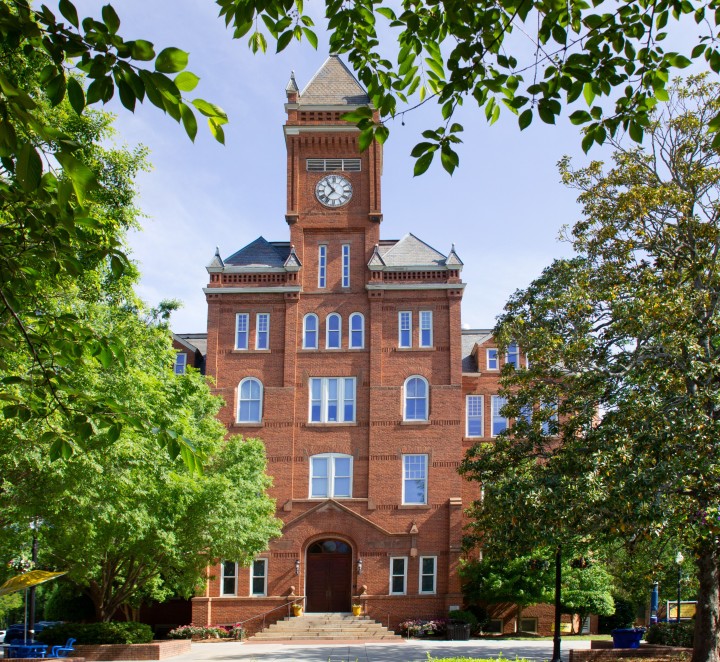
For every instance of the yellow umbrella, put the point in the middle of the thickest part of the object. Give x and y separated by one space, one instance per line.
28 579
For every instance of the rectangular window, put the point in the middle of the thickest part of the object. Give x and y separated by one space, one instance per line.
426 328
180 363
492 359
322 265
346 265
332 399
242 330
428 574
499 422
414 488
333 165
331 476
398 575
528 624
405 328
229 578
258 577
550 426
474 409
513 355
262 331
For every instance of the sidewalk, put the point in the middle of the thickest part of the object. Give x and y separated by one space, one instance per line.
407 651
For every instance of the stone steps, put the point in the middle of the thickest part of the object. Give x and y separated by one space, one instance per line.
324 626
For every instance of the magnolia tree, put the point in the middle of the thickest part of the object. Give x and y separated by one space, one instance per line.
618 414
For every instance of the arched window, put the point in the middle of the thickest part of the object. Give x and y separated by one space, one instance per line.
333 331
250 396
310 331
357 331
416 399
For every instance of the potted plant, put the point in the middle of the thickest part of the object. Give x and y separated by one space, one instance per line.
297 609
356 610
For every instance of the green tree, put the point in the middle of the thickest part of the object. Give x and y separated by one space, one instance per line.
624 339
587 589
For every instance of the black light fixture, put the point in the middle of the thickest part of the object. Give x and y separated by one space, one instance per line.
679 558
359 566
297 566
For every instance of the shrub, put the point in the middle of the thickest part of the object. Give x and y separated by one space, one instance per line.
201 632
671 634
464 617
112 632
482 615
623 617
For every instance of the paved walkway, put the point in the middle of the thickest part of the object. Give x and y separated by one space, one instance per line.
406 651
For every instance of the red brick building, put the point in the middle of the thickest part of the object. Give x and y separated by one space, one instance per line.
344 353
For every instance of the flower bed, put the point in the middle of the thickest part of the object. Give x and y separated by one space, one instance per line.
419 627
200 632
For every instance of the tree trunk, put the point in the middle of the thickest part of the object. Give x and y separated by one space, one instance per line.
519 618
707 616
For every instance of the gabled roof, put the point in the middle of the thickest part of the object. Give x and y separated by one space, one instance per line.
260 253
471 338
333 85
193 341
410 252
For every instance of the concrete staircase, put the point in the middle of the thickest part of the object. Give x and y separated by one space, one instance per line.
326 626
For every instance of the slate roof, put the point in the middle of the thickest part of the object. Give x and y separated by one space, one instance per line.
410 252
333 85
193 341
470 338
261 253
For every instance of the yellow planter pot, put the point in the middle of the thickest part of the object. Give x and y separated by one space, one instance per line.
297 610
357 610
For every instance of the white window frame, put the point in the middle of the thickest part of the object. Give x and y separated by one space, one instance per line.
493 359
305 331
346 265
322 266
515 354
331 458
223 577
180 363
474 416
497 403
351 344
333 316
262 320
422 574
247 380
245 319
404 560
406 478
425 323
406 398
529 618
553 417
324 399
405 315
253 576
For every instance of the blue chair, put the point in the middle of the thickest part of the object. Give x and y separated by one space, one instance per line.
62 651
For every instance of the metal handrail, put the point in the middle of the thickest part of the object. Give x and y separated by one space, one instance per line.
270 611
382 610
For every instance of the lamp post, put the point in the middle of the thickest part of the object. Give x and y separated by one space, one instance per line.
679 558
558 580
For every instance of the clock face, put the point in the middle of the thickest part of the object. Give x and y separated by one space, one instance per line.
333 191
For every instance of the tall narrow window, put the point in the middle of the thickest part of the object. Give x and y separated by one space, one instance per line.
258 577
333 331
180 363
310 331
331 476
426 328
513 355
332 399
416 399
357 331
322 265
499 422
346 265
414 488
398 575
241 330
262 331
550 426
492 359
405 328
229 578
249 401
428 574
474 412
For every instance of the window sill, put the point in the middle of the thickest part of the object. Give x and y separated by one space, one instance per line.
415 423
250 351
258 424
414 506
415 349
332 424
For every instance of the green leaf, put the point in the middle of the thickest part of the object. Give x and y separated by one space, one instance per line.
76 95
210 110
588 93
61 448
189 121
311 37
171 60
55 89
449 159
357 115
141 50
82 178
636 132
67 9
283 40
28 169
111 19
216 130
365 138
423 163
525 119
117 266
186 81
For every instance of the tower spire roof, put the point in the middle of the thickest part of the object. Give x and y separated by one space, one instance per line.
333 85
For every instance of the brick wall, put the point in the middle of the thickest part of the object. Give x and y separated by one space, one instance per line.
645 651
158 650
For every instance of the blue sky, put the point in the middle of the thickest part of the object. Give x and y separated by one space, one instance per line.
503 208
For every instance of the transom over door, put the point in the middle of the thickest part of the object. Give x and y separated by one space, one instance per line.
328 584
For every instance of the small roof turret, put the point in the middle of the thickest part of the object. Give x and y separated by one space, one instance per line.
217 261
333 85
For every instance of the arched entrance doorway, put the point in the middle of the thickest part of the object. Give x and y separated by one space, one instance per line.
328 582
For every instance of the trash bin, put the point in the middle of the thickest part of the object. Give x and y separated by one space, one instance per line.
458 631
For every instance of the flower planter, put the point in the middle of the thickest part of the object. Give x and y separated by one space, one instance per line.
297 610
627 637
357 610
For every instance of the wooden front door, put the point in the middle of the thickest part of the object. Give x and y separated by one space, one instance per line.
329 576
